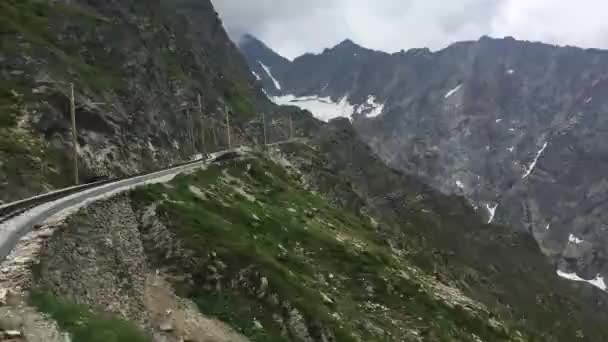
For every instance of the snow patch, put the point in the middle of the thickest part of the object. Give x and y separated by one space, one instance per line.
370 108
274 80
498 120
588 100
453 91
511 129
597 282
510 71
491 211
325 87
511 149
257 77
573 239
533 165
323 108
548 226
459 184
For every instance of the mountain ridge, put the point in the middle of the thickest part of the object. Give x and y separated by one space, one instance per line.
505 123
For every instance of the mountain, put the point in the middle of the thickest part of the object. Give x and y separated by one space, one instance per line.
516 127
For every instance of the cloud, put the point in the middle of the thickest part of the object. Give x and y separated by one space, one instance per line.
293 27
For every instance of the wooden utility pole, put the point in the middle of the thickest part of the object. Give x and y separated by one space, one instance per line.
228 126
264 129
74 134
202 124
290 126
214 132
191 131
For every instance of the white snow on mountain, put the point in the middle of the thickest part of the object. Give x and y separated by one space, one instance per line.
491 211
533 164
597 282
274 80
257 77
370 108
459 184
573 239
323 108
510 71
453 91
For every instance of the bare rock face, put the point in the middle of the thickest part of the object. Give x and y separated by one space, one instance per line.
517 128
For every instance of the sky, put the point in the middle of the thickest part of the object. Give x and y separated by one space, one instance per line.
294 27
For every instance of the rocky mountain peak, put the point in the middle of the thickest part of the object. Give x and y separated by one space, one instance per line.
346 48
346 44
265 64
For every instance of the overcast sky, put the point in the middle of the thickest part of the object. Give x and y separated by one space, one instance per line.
292 27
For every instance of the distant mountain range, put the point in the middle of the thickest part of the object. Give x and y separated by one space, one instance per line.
518 128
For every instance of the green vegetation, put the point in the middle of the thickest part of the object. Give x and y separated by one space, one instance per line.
240 100
83 324
326 262
35 21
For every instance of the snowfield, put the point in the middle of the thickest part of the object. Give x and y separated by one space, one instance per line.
324 108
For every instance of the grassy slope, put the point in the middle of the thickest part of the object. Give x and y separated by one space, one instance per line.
502 268
307 249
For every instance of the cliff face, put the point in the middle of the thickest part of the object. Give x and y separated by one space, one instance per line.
137 69
516 127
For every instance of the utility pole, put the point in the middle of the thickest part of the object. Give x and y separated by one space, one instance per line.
74 135
290 126
214 132
264 129
202 124
228 126
191 131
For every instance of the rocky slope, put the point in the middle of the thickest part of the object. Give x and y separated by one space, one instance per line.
316 241
137 67
516 127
